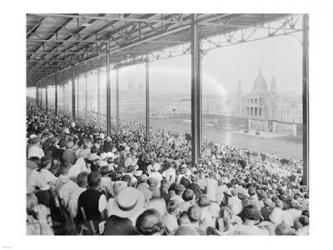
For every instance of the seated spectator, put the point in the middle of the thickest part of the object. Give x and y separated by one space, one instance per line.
38 221
267 209
302 225
170 219
82 182
125 209
191 228
250 216
79 165
106 182
92 201
177 192
188 197
69 153
284 229
207 218
64 186
235 203
157 204
150 223
127 204
35 149
211 186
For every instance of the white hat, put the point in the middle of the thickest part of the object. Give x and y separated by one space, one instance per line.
128 203
101 135
109 155
32 136
156 167
79 153
103 164
138 173
188 172
93 157
104 156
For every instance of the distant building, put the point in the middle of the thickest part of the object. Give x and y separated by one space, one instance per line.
267 104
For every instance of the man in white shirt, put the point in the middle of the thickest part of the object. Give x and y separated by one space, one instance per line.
35 150
235 203
155 174
82 181
78 167
211 185
170 175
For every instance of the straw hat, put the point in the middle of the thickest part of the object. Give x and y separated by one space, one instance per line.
128 203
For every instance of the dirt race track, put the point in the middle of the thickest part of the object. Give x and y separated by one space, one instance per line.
275 146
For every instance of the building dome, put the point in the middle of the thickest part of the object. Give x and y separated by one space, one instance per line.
260 84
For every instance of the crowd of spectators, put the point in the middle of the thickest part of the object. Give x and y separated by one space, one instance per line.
81 181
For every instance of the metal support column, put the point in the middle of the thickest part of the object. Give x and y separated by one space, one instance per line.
37 95
73 92
86 94
55 94
98 94
64 97
195 91
40 96
117 102
46 99
108 90
305 99
147 101
77 95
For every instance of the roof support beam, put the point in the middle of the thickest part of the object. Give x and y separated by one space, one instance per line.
111 18
55 94
147 101
35 27
98 93
195 91
305 44
108 90
86 93
73 92
117 103
46 99
58 41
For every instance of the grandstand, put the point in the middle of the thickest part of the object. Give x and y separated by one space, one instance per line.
96 174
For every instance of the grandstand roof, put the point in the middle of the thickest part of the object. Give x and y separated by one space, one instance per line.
56 41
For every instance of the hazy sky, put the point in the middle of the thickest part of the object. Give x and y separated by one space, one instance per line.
224 67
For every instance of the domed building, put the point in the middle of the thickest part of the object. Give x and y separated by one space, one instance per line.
260 103
265 103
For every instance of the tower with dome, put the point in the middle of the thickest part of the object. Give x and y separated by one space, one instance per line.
267 109
261 102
